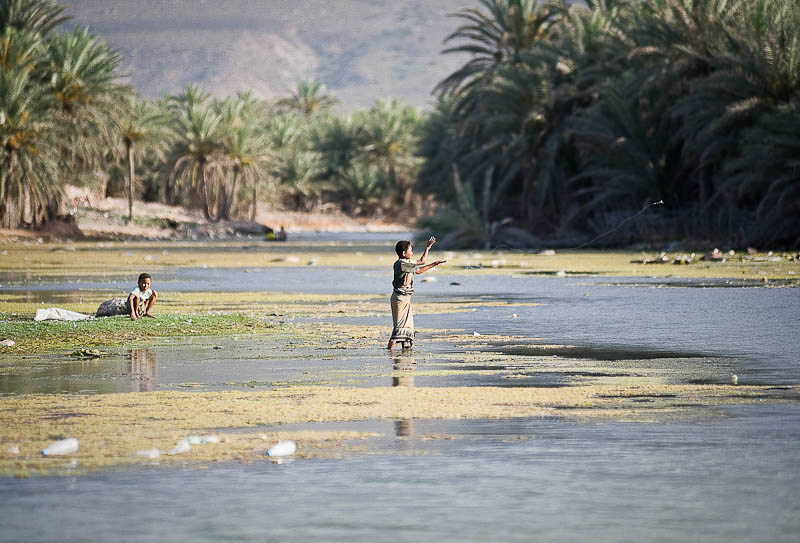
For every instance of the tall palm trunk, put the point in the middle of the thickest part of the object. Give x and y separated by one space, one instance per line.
254 209
6 195
203 189
232 200
222 203
131 175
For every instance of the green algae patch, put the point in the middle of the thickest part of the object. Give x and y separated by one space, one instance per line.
111 428
54 336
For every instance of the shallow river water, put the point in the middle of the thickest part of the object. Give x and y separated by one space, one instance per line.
732 474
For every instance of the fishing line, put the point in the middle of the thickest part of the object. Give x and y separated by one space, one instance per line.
582 245
645 208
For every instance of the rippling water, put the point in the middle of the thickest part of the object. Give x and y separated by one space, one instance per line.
733 478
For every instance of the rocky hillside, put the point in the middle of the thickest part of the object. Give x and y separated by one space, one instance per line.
361 49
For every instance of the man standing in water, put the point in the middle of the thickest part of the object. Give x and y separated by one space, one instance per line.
403 288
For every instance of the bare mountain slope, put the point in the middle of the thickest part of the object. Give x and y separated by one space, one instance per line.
360 49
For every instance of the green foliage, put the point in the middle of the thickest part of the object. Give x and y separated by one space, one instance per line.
37 16
246 149
59 98
308 100
586 112
144 127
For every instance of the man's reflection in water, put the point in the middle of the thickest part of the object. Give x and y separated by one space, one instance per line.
143 370
403 367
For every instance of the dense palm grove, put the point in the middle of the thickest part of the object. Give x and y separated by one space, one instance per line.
566 121
565 124
66 119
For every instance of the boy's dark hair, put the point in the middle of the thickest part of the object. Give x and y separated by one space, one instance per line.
144 276
401 247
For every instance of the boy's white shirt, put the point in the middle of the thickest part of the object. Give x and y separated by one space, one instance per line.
142 295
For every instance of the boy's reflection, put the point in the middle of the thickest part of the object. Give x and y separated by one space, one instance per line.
403 376
143 370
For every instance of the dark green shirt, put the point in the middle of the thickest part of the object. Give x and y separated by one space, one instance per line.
402 267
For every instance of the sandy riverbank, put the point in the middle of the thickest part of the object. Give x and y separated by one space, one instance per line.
106 218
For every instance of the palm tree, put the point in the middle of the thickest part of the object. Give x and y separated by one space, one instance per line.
298 172
145 126
82 75
624 162
28 149
767 176
496 37
338 140
295 168
363 186
36 16
198 145
245 146
309 99
389 141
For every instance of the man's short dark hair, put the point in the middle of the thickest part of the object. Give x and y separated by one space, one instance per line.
401 247
144 276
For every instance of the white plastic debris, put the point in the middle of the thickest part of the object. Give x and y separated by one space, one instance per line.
58 314
181 447
561 273
8 343
13 449
476 334
152 454
64 446
282 448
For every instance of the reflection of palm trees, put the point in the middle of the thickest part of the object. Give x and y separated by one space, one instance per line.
403 376
143 370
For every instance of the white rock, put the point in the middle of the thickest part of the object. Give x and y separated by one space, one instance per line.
734 379
13 449
476 334
8 343
64 446
561 273
282 448
431 279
